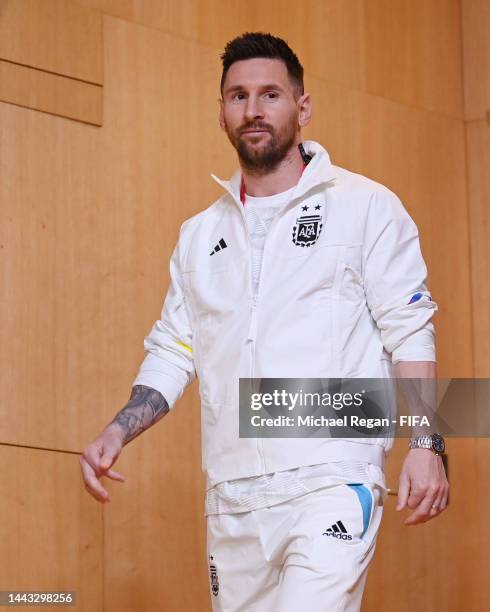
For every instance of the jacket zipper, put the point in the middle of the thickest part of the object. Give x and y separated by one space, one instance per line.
252 332
253 322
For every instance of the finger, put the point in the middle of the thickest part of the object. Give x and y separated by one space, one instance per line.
115 475
443 498
105 463
94 487
416 497
92 484
422 512
92 456
436 507
403 491
99 493
107 459
87 470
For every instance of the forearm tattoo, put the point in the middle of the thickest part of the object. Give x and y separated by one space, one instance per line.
145 407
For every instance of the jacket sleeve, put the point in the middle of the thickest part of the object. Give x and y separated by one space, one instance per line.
168 365
395 277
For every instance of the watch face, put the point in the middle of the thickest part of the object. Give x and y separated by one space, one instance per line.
438 443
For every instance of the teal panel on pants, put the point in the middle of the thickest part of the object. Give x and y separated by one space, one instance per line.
366 500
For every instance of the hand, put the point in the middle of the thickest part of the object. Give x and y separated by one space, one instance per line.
97 460
423 486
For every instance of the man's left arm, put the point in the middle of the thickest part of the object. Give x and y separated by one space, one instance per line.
423 484
395 276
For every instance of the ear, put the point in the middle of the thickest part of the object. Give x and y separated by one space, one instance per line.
305 110
221 117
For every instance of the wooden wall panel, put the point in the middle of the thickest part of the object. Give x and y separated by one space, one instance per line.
476 38
476 53
50 93
413 53
51 532
408 50
48 206
58 36
478 147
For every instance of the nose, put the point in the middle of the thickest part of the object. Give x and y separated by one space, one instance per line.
253 109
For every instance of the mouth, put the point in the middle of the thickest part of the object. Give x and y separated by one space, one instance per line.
254 131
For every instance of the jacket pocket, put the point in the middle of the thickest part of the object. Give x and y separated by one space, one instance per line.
314 270
352 285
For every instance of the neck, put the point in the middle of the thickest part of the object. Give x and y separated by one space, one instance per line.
283 177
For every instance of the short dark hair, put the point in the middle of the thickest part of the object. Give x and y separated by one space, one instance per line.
259 44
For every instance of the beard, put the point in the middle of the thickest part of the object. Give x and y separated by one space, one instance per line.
260 154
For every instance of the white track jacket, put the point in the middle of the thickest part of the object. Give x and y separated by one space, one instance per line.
342 293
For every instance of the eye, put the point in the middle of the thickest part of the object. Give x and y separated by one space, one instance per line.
271 93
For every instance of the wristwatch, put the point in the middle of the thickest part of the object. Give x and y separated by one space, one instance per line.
434 442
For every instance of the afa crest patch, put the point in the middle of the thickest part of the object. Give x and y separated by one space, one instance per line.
307 228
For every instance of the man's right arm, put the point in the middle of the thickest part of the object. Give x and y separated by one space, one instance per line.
166 371
145 407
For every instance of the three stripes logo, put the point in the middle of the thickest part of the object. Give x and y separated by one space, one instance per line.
219 247
337 530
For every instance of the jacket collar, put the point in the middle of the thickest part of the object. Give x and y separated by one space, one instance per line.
319 170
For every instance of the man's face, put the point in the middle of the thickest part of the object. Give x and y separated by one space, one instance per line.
259 112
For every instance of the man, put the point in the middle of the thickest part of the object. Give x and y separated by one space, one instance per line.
301 269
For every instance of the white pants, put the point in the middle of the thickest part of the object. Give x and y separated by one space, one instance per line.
310 553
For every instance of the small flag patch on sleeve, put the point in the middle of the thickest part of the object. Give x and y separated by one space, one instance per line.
417 296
